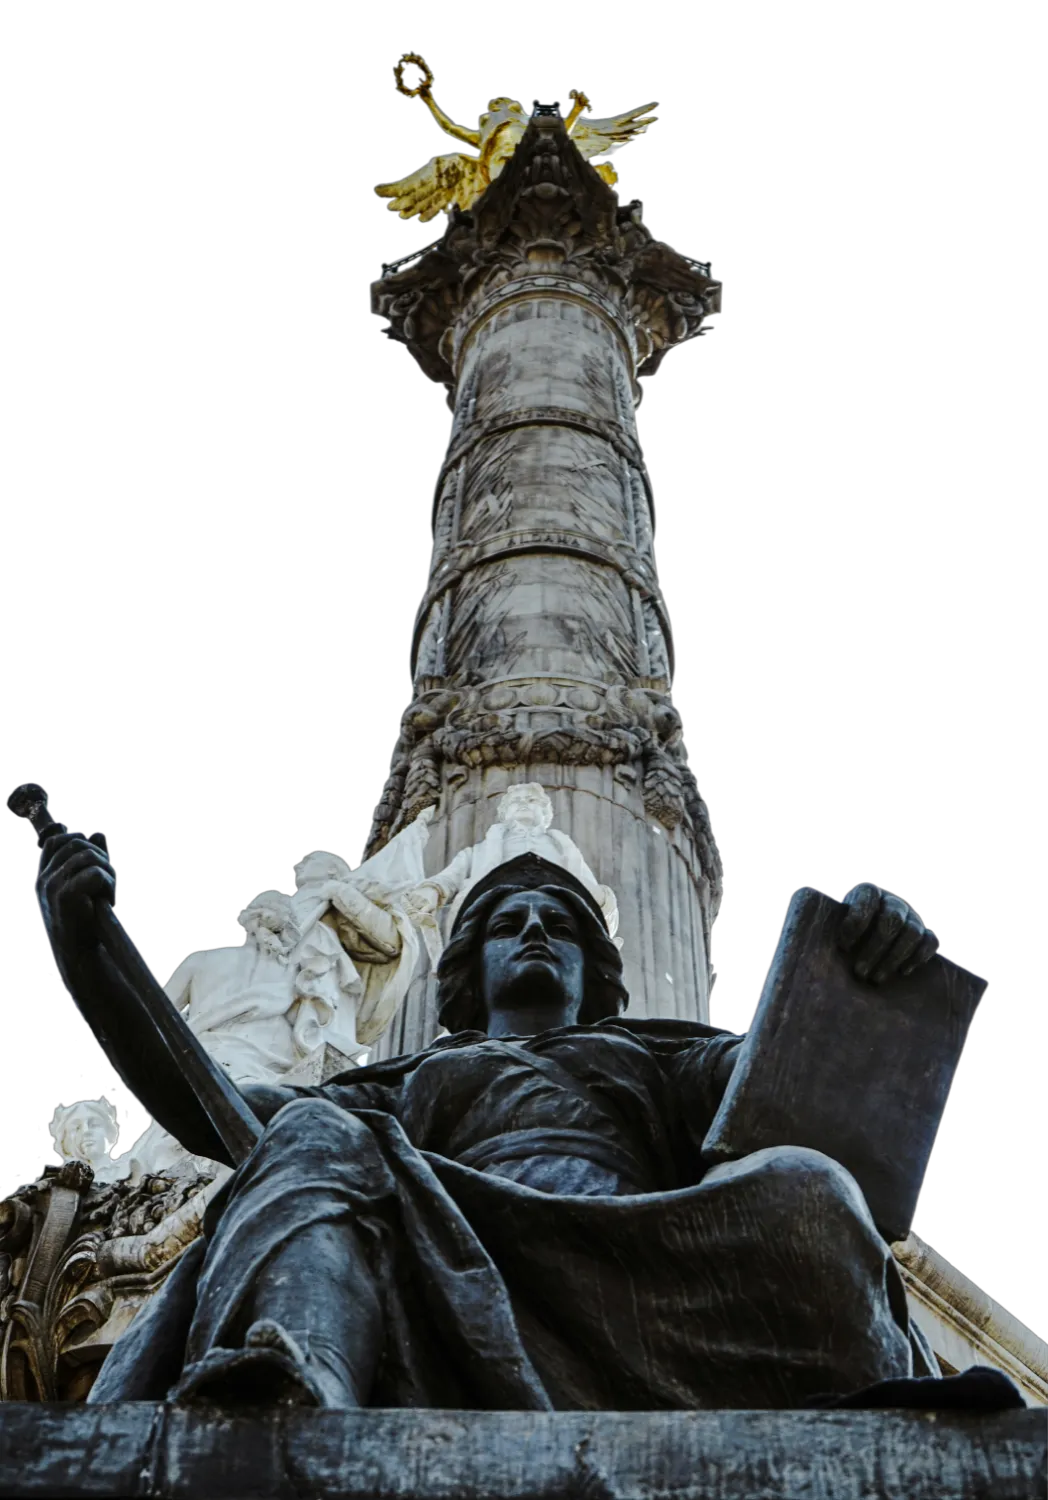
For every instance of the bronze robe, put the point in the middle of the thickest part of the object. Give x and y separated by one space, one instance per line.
542 1235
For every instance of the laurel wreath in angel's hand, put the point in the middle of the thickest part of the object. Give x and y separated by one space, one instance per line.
457 180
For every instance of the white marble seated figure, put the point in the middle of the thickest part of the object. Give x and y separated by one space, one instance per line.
523 826
88 1131
327 966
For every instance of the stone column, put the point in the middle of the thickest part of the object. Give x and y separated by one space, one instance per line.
542 648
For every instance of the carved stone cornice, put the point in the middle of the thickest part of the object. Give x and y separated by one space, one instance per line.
547 222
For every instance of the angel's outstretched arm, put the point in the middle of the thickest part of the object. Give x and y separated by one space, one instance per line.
581 103
423 90
446 123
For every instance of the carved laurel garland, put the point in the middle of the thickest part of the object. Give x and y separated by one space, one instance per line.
636 730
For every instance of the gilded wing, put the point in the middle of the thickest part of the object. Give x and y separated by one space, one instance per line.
598 137
441 182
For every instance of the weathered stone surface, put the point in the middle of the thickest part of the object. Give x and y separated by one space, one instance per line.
141 1450
965 1326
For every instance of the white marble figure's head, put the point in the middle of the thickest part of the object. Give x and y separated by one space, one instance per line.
527 805
85 1131
269 921
320 867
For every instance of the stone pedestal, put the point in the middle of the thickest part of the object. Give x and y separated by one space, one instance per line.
112 1452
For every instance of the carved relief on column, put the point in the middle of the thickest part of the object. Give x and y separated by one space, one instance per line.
535 486
446 506
657 639
641 508
430 663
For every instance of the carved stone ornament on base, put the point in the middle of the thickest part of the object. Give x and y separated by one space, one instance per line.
78 1261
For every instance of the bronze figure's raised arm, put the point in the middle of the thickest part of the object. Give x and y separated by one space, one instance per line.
145 1038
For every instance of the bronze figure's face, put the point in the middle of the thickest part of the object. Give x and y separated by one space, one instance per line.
529 952
533 958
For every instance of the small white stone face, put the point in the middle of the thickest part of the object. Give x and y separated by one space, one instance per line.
269 922
523 826
526 805
87 1131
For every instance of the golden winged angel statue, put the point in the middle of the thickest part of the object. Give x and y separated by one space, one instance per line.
458 180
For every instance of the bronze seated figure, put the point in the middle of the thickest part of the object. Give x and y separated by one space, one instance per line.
517 1217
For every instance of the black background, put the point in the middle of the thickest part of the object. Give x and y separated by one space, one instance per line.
227 492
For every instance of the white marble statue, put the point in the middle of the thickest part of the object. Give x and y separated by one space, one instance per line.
88 1131
522 826
327 966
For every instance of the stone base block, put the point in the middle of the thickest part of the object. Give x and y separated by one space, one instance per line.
57 1451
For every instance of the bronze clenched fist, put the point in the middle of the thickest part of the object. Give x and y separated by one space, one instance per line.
74 873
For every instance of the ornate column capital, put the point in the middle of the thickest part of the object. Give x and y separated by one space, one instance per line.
548 222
